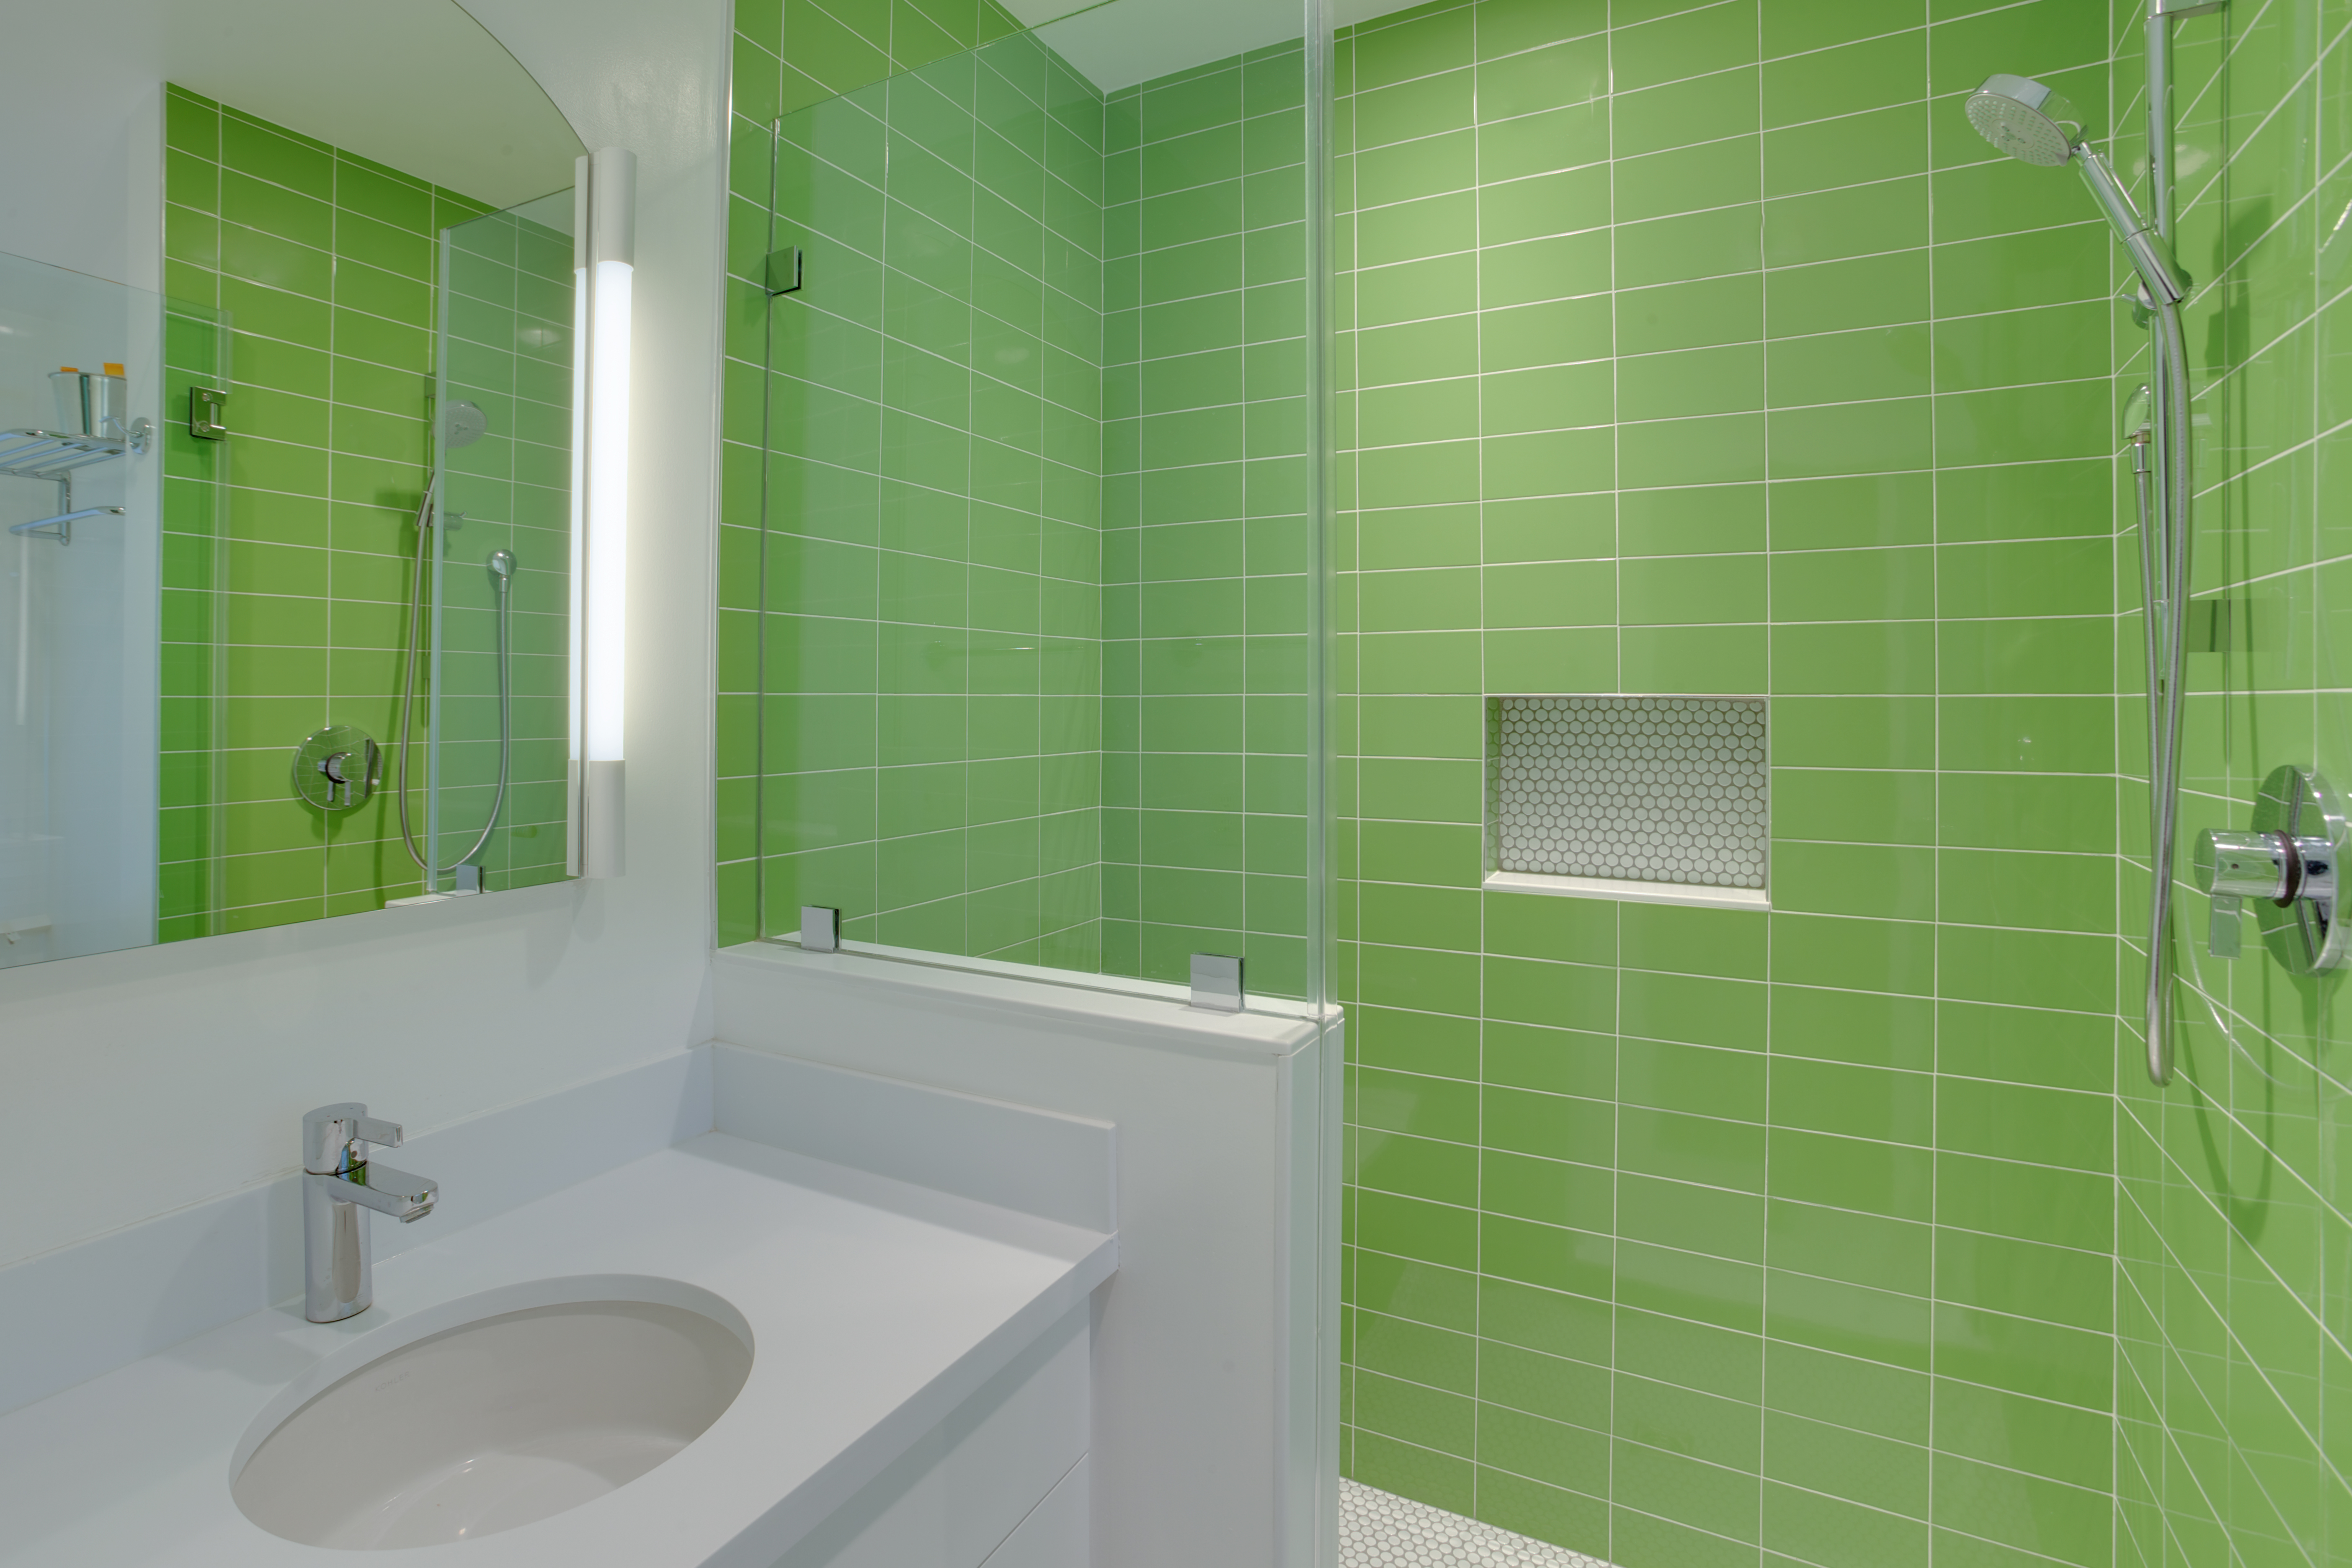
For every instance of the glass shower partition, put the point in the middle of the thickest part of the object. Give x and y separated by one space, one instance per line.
80 373
493 709
1023 655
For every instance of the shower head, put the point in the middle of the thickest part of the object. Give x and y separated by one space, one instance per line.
2034 125
2026 120
502 568
462 424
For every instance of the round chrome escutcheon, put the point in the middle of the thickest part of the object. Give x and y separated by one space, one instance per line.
2305 935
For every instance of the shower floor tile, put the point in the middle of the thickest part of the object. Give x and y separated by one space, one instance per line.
1379 1530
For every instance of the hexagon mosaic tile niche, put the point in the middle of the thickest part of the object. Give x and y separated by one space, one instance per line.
1629 789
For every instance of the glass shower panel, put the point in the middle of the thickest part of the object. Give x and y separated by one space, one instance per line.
79 484
493 700
1022 635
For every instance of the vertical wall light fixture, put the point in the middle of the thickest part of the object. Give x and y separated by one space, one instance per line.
604 245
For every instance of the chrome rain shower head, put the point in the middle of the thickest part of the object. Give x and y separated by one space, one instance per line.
2026 120
2034 125
463 424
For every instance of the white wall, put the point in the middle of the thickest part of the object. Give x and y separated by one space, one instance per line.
138 1082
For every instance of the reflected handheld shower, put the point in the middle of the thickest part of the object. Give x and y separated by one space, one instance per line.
503 567
2031 123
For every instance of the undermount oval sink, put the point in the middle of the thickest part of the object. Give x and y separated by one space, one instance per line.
499 1420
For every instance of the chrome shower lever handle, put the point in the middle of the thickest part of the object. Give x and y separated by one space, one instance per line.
2285 866
2224 937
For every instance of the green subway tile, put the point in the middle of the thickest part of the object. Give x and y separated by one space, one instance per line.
1691 43
1846 585
1680 590
1854 658
1690 315
1871 880
1557 995
1882 144
1688 179
1705 1426
1828 513
1840 296
1712 660
1884 1402
1561 268
1846 80
1858 220
1692 521
1697 381
1896 956
1699 108
1573 71
1845 367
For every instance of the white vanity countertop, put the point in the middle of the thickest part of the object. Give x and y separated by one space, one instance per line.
876 1308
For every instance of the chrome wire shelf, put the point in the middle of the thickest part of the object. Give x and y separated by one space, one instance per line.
52 457
47 455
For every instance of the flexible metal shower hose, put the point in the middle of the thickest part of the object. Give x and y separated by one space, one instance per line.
424 522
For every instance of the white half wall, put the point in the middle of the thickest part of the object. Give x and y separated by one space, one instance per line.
1212 1371
212 1049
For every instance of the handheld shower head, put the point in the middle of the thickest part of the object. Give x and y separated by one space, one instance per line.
2026 120
503 566
2034 125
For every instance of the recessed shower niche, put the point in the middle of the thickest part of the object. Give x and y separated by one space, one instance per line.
1651 799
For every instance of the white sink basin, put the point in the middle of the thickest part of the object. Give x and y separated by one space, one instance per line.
491 1413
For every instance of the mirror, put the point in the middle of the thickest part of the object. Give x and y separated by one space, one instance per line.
286 269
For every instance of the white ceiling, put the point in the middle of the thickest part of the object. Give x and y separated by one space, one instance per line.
1123 42
417 84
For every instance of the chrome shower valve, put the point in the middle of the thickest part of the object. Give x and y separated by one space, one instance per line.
2288 862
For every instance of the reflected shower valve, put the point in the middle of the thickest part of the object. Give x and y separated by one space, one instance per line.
337 768
2287 861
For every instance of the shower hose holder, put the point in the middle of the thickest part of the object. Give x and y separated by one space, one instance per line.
2286 863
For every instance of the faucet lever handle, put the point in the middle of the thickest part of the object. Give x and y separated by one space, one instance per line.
375 1130
329 1131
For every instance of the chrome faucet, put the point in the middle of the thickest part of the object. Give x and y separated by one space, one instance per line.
338 1181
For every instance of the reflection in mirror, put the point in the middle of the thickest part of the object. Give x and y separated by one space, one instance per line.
78 612
327 579
366 278
493 786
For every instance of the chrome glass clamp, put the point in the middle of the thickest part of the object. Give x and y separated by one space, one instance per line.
2287 862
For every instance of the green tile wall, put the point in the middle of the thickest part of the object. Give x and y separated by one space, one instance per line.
1205 665
1013 653
2233 1374
1706 349
286 547
928 759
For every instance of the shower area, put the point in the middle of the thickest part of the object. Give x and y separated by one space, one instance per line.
367 535
1619 545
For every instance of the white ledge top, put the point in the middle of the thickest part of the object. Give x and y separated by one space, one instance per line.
876 1308
1142 1011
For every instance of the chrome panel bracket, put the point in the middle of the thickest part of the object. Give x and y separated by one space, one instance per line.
2285 865
207 413
783 269
1216 982
820 929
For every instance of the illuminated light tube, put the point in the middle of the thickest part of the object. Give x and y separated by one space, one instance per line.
605 203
